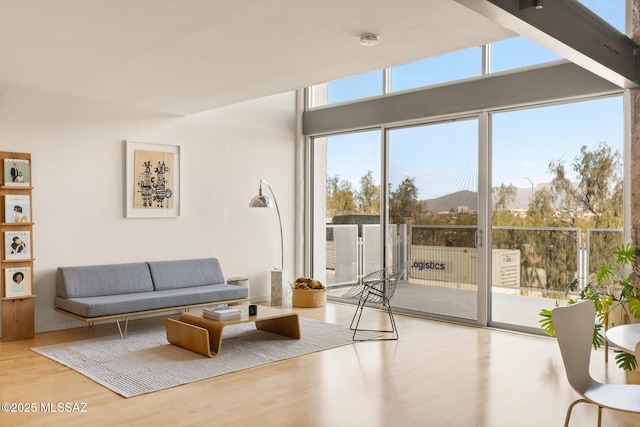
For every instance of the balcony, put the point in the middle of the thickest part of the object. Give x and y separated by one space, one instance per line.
530 268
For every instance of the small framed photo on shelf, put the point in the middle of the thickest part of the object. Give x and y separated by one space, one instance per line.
17 208
17 282
17 245
17 173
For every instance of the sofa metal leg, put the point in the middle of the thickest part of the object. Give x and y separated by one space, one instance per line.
126 326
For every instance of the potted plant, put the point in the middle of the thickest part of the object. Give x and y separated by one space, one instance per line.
612 291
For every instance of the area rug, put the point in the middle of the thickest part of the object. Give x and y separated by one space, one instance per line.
145 362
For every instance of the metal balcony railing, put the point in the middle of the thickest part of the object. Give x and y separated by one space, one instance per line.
528 258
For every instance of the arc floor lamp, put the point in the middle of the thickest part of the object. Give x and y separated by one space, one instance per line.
262 201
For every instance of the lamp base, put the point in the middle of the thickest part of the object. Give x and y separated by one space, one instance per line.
276 287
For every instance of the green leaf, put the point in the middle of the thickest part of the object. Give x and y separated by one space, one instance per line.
598 338
625 361
605 272
634 307
546 323
608 291
573 286
625 254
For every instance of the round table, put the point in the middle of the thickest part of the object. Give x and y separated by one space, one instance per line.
624 337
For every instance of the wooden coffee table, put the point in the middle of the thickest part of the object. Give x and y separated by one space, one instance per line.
203 335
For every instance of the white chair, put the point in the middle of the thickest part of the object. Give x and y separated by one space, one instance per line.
574 332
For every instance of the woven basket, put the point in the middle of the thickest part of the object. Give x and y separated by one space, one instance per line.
306 298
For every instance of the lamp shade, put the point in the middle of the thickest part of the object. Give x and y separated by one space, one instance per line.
261 201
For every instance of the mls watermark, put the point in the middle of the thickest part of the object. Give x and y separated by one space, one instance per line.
51 407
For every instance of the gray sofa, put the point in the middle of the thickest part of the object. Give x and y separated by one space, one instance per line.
115 291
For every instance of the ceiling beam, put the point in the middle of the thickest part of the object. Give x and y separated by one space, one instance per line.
561 82
570 29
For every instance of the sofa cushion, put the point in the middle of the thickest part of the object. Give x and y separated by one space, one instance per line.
101 280
141 301
186 273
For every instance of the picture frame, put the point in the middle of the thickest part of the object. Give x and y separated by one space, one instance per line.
152 180
16 172
17 209
17 245
14 287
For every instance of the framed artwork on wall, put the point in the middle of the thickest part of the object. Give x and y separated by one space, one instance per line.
152 180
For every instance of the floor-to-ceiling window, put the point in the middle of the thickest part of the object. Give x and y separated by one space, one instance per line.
542 237
349 185
556 203
433 212
431 203
557 200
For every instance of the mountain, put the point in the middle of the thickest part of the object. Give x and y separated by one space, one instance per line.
469 199
523 195
451 201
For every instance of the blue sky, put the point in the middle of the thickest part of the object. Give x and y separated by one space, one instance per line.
526 141
442 158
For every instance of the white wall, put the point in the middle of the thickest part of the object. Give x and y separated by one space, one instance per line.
77 153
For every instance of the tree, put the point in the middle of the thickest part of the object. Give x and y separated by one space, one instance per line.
592 199
541 211
340 197
599 188
368 198
503 195
403 202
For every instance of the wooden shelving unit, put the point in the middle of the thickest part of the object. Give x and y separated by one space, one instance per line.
16 239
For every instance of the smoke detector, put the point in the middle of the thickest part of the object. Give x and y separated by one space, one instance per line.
369 39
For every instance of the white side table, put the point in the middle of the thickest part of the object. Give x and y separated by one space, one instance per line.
240 281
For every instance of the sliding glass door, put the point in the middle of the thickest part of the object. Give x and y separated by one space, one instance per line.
433 214
424 179
427 194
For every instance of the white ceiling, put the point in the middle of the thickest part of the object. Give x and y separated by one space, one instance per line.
187 56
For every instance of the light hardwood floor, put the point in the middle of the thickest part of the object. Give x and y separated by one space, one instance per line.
437 374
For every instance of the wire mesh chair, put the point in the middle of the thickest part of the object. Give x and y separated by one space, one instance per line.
376 288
